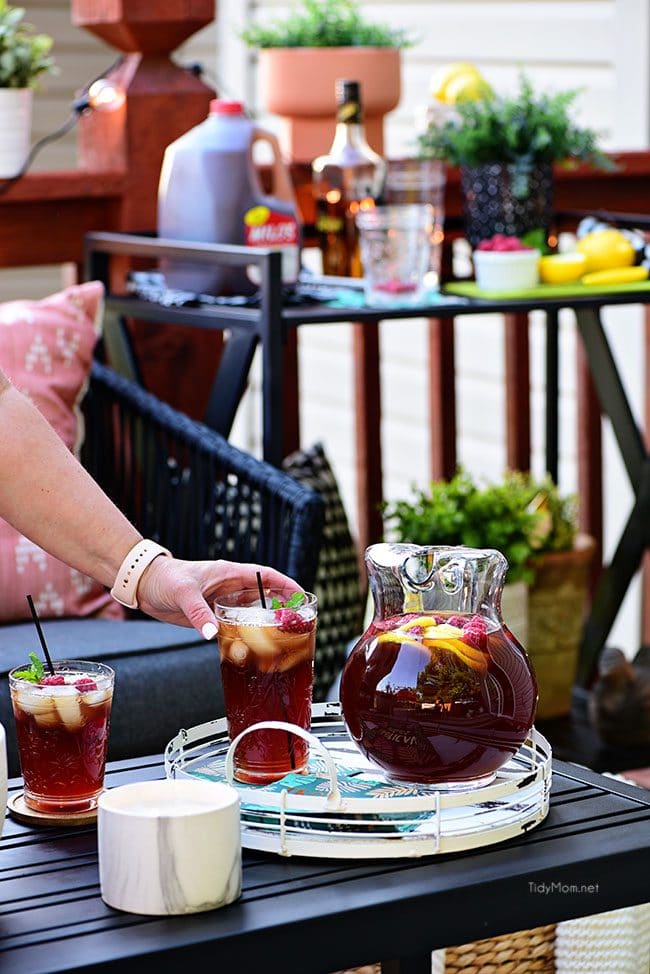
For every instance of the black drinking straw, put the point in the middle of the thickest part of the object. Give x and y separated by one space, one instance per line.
261 589
37 623
292 756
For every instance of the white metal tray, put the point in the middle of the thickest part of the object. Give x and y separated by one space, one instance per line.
355 811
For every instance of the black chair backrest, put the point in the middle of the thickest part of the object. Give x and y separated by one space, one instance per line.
185 486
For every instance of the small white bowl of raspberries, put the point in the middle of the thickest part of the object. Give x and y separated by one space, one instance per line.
505 263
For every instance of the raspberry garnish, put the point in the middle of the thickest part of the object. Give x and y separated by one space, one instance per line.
459 621
53 681
475 633
503 243
291 621
85 683
385 625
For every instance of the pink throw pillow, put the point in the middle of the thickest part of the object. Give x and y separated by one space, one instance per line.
46 349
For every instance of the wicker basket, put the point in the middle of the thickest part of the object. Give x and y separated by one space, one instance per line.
617 941
526 952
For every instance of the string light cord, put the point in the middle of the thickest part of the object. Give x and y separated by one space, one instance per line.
80 105
36 148
200 71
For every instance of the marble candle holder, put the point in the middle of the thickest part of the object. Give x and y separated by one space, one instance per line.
169 847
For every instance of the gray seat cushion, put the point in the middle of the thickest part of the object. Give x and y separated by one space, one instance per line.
166 677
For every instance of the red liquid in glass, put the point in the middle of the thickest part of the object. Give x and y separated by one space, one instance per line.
267 674
433 714
63 768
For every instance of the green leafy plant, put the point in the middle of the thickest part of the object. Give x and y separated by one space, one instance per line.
24 55
326 23
523 517
521 130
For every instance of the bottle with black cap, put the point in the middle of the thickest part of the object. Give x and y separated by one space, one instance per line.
349 178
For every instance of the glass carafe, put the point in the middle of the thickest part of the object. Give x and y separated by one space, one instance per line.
438 691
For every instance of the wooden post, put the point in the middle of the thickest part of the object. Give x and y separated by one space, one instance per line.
442 398
368 435
590 460
517 391
162 101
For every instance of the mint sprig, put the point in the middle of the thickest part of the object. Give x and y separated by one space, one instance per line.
35 673
294 602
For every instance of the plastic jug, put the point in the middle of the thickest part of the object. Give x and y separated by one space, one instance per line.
210 192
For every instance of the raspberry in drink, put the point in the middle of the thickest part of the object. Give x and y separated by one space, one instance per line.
267 671
62 724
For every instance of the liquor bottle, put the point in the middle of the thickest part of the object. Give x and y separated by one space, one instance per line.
349 178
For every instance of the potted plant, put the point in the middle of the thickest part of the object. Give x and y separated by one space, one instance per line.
24 57
535 528
301 58
505 147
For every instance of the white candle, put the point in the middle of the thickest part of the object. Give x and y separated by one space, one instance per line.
169 847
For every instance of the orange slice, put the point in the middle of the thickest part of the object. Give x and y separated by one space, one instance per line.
397 636
423 622
473 658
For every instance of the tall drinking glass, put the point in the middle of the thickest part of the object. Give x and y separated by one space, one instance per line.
267 671
62 725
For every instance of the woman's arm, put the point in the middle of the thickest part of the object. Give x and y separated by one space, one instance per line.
47 495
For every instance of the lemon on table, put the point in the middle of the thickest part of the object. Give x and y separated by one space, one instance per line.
617 275
562 268
605 249
458 81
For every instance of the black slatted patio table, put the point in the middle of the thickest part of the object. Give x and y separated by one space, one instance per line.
313 916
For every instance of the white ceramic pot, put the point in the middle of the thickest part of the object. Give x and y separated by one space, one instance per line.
3 776
511 270
15 129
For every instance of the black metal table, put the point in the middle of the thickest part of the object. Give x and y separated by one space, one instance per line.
268 324
314 916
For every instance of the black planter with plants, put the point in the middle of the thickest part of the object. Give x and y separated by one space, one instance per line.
495 201
505 147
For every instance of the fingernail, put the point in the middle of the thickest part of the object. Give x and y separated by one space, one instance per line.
209 630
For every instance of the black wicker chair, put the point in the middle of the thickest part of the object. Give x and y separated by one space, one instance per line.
184 485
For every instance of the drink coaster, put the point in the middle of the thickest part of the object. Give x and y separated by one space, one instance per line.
18 809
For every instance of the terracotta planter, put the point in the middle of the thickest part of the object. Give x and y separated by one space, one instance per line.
556 606
298 85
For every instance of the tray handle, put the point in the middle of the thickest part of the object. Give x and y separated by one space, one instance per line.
333 799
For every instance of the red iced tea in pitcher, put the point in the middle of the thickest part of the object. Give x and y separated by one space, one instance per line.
267 671
434 698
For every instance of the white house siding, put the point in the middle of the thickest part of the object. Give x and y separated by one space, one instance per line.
600 46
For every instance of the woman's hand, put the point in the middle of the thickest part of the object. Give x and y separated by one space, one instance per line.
182 592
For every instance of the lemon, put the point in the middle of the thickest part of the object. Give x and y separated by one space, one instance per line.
467 87
606 248
617 275
562 268
458 81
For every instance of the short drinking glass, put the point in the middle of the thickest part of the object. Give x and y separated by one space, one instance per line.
395 246
62 725
267 671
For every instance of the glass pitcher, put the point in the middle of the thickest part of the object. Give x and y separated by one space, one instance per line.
437 691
